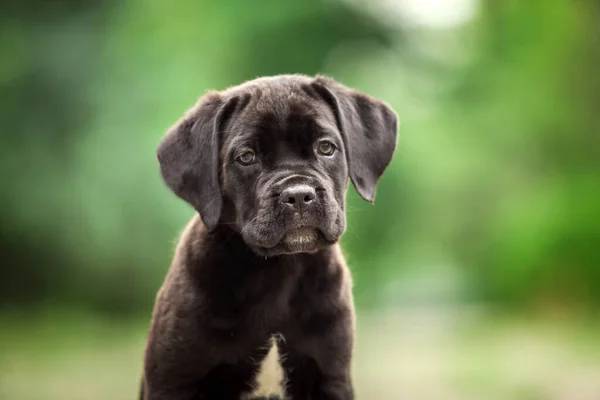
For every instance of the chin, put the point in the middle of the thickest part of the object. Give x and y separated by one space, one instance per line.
299 240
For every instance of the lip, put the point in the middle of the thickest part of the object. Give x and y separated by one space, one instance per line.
300 234
301 237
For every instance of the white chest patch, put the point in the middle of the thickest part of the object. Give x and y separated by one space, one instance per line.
270 379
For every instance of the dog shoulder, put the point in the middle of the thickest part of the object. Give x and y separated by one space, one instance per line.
346 287
339 261
176 288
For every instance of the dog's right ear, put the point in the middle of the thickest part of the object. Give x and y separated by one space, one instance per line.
189 156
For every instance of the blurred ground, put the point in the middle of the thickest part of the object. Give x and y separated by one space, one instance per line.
423 354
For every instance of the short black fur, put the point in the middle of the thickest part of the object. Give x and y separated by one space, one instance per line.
261 258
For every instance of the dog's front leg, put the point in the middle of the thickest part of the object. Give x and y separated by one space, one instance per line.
161 384
151 394
333 354
338 388
177 357
172 372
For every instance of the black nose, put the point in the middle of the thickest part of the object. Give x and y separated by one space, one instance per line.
298 197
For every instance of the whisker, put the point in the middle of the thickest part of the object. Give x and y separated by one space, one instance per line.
248 224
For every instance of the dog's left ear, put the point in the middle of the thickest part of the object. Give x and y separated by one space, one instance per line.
189 156
369 128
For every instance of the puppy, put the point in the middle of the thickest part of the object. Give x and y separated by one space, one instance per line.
257 303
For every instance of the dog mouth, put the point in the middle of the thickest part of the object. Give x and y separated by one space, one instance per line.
294 234
303 239
304 236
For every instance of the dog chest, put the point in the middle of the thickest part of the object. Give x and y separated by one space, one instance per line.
269 381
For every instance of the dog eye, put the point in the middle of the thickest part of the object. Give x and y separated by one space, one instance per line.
325 148
246 158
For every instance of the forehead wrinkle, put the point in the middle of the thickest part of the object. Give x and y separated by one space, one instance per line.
274 101
304 117
274 113
241 128
329 130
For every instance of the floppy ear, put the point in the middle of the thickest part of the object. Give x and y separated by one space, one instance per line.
369 128
189 157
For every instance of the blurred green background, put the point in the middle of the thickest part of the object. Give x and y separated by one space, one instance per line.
477 271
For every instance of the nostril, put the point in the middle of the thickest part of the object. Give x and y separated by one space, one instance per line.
298 197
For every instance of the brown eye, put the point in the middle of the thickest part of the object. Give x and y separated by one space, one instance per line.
325 148
246 158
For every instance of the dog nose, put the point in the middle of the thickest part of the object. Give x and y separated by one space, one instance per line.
298 197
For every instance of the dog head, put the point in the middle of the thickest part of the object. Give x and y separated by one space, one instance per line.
271 159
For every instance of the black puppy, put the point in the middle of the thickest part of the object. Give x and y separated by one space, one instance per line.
257 303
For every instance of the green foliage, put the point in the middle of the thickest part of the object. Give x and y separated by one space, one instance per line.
493 193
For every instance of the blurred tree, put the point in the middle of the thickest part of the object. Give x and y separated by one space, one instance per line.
535 229
496 175
80 79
